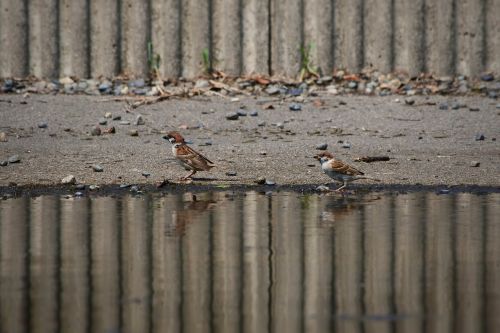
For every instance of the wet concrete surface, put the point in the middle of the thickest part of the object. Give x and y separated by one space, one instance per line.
373 262
426 145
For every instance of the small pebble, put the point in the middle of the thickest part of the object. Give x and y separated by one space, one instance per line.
139 120
3 163
14 159
322 146
146 174
97 168
346 145
487 77
295 107
102 121
108 115
232 116
260 180
455 106
443 106
444 191
231 173
474 109
295 91
124 122
261 123
139 83
43 124
78 194
69 180
201 84
104 87
133 132
96 131
479 137
134 188
116 118
263 153
270 182
241 113
272 90
254 114
323 188
93 187
3 137
110 130
475 164
80 187
280 125
124 185
352 84
409 101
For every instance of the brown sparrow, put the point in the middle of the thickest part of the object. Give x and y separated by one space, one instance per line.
339 170
187 156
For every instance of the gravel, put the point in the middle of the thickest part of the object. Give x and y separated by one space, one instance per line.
322 146
370 124
95 131
70 179
139 120
14 159
232 116
97 168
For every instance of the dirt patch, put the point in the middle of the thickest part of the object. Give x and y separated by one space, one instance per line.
426 144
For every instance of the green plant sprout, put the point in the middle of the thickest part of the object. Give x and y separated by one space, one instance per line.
307 69
154 60
205 55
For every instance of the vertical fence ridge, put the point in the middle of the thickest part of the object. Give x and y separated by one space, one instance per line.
93 38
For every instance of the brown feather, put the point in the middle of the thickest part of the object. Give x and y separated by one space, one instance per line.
194 159
344 168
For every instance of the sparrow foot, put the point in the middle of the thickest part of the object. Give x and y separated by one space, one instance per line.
186 180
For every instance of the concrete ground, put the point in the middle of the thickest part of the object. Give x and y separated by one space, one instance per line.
426 145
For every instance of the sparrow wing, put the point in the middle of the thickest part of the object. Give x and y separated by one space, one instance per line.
344 168
194 159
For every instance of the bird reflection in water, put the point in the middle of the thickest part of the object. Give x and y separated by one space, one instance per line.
337 208
189 212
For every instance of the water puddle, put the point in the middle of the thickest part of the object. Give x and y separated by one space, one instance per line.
221 261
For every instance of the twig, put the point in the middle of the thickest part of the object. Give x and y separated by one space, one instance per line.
369 159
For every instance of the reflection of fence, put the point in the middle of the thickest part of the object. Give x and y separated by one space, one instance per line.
51 38
283 263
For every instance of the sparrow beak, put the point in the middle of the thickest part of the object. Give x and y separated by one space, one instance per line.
316 157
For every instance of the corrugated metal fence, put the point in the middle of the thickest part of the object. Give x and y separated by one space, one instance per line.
55 38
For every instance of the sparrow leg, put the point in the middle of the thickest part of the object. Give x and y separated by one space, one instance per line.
341 188
189 176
